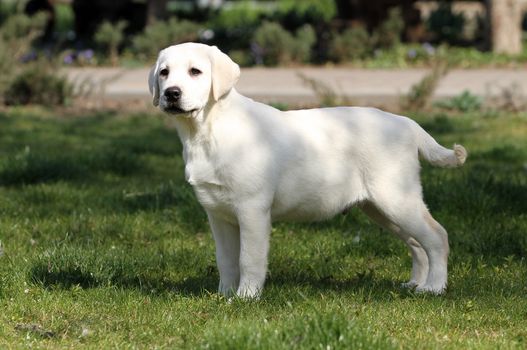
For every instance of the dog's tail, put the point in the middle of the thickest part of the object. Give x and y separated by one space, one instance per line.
436 154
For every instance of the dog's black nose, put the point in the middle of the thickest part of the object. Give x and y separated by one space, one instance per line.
173 94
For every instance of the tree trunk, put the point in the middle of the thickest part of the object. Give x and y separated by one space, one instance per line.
156 10
505 25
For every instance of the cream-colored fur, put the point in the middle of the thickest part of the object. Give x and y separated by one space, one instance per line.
251 164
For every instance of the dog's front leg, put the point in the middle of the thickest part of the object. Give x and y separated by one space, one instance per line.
227 239
255 229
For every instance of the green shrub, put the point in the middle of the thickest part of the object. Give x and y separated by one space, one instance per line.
307 11
64 18
465 102
305 40
7 9
234 26
110 36
352 44
38 84
325 94
280 47
35 82
389 33
239 15
421 93
17 33
241 57
162 34
276 43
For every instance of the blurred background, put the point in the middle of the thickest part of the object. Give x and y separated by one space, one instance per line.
39 37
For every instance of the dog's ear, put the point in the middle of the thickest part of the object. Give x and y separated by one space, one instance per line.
225 73
153 83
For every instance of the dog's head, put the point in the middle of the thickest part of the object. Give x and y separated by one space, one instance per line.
186 77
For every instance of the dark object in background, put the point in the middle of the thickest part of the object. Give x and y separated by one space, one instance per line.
374 12
35 6
90 14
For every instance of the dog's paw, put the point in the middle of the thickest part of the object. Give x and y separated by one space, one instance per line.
436 290
410 284
248 292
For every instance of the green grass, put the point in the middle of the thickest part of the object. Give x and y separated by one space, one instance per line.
105 246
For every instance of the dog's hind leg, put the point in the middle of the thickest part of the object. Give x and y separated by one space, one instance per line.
419 257
434 239
410 214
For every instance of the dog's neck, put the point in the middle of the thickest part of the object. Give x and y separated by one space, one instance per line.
195 129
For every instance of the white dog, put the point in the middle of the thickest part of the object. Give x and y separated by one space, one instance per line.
251 164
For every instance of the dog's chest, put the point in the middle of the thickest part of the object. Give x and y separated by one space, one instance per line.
199 172
209 188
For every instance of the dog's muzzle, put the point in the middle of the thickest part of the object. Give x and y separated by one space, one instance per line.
172 97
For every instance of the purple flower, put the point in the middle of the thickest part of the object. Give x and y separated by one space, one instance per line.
430 50
412 53
31 56
86 54
69 59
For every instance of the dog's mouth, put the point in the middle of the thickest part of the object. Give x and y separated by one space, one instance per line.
175 109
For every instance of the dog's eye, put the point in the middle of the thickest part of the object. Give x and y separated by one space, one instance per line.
163 72
194 72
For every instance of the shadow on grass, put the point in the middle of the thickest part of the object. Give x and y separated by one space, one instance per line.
72 278
33 167
49 150
147 272
363 281
69 268
207 282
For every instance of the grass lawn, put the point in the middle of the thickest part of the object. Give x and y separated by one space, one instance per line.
103 245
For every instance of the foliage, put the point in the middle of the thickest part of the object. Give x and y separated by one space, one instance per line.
325 94
241 57
18 32
130 239
305 38
240 15
162 34
110 36
278 46
275 42
39 84
445 25
7 9
35 82
389 33
65 19
310 11
232 30
356 43
421 93
465 102
352 44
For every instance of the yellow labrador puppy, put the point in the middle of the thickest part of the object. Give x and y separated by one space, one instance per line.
251 164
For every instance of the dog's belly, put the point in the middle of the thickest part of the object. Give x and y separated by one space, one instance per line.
302 202
316 199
